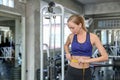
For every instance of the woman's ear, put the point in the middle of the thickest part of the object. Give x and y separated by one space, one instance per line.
80 25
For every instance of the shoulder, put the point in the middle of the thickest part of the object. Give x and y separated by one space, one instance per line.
94 38
71 36
92 35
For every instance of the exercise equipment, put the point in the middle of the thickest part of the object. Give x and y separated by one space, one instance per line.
57 66
111 41
48 12
112 63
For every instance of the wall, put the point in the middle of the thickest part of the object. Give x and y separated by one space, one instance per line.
102 8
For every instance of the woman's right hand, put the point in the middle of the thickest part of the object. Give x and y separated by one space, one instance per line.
68 56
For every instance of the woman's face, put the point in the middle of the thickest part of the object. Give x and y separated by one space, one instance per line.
74 28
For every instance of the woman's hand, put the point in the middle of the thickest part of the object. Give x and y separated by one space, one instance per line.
83 60
68 56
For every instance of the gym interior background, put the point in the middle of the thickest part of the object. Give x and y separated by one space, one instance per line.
33 32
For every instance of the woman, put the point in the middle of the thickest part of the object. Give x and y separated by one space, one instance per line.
81 50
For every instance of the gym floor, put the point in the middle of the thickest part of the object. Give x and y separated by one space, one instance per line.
106 73
98 73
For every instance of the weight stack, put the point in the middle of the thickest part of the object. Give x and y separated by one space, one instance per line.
45 76
16 73
38 74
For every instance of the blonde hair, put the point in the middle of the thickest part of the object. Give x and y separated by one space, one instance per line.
77 19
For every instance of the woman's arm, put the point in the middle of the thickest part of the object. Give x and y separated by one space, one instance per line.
101 49
66 47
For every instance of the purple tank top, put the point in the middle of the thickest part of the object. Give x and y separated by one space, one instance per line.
81 49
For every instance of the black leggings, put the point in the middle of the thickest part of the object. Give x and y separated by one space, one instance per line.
77 74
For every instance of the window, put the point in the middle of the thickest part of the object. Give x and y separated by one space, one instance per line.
5 2
52 31
110 23
1 1
104 37
9 3
66 30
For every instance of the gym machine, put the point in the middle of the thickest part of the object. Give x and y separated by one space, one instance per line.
112 46
48 12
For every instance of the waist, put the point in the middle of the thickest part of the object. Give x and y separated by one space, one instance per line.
75 63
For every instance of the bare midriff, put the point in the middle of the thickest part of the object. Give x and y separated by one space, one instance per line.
75 63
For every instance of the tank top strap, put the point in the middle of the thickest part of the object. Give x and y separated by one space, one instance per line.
75 38
88 37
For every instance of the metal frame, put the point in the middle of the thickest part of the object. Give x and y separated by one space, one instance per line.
116 44
62 38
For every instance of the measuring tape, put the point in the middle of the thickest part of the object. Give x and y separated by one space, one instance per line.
75 61
83 68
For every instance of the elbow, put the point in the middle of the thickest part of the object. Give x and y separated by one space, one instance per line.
65 46
106 58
